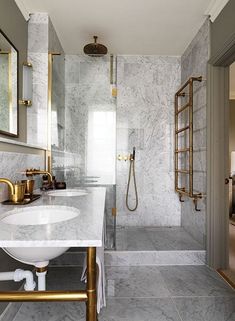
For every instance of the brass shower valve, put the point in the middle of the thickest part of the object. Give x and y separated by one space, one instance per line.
124 157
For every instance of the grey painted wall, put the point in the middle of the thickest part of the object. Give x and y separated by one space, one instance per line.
15 27
222 30
194 63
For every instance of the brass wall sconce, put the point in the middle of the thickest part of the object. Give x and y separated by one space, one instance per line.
27 84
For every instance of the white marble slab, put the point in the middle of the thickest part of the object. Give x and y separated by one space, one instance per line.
82 231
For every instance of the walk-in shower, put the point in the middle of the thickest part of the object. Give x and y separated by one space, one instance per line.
94 132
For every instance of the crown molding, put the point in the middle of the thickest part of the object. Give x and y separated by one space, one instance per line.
214 8
25 12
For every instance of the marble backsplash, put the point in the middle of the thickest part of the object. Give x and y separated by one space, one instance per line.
145 119
13 166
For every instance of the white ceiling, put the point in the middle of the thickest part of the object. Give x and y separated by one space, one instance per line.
162 27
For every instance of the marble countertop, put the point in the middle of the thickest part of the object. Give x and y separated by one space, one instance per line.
82 231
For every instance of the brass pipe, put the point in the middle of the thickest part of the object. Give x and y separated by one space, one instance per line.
31 172
183 171
191 137
190 80
39 296
176 143
182 150
9 183
181 129
182 108
91 310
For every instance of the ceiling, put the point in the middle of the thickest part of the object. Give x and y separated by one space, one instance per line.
147 27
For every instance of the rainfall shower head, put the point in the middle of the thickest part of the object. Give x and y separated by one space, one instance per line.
95 49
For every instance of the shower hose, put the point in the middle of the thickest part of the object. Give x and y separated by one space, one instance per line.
132 171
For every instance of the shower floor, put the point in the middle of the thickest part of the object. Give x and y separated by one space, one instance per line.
155 239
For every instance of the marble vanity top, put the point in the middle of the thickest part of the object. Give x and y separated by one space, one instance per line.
82 231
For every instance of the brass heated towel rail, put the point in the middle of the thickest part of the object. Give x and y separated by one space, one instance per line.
186 134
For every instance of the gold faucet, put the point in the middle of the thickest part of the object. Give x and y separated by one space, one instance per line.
9 183
17 190
31 172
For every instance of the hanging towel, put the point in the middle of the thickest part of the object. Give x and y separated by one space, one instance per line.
100 280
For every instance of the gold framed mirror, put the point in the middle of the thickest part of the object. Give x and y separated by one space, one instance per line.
9 109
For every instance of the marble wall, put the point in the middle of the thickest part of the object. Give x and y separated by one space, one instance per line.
194 63
42 39
13 166
145 119
38 56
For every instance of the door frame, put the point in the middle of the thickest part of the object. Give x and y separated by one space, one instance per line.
218 156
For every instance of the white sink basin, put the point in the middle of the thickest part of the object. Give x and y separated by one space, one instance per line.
38 215
68 192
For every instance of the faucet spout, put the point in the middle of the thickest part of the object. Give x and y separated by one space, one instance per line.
31 172
9 183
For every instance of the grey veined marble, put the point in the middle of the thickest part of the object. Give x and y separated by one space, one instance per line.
145 119
136 298
86 229
194 63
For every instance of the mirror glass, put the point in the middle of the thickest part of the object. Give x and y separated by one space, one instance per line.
8 87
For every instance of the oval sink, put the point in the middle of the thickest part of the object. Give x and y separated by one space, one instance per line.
39 215
68 192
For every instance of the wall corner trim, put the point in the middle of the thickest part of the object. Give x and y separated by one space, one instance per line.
214 8
25 12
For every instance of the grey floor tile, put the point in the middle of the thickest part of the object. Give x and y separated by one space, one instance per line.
172 238
155 239
206 308
53 311
194 281
139 310
133 239
135 282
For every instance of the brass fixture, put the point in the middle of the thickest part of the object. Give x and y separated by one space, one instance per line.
114 211
27 84
132 171
19 193
25 102
16 190
88 296
29 185
41 269
189 149
123 157
31 172
95 49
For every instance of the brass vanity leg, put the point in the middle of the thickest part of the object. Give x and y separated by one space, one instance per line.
91 309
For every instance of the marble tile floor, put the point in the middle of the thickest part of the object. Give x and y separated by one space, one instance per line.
155 239
147 293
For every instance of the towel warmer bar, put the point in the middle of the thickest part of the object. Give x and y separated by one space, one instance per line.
188 150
